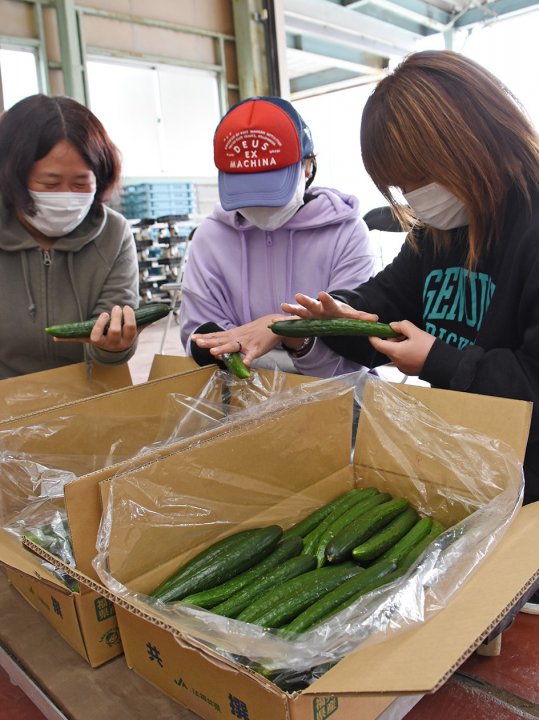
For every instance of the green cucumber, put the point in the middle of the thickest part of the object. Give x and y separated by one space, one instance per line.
312 521
401 548
219 562
287 548
411 556
351 515
235 365
346 501
337 326
345 594
385 538
144 315
356 532
280 605
287 570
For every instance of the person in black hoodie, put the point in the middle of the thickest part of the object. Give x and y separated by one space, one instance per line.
463 292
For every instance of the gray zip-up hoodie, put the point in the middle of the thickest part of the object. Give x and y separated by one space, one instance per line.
85 273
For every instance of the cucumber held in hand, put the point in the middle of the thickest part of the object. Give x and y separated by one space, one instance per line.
337 326
144 315
235 364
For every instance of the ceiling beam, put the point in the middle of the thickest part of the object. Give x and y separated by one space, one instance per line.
335 23
419 12
351 58
493 11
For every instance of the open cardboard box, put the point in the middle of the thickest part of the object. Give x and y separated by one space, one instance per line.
375 681
26 394
84 618
94 438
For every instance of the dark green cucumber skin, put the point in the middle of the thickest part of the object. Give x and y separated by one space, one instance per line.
312 521
287 570
219 562
418 549
280 605
341 546
287 548
351 515
322 328
344 594
235 365
401 548
385 538
346 501
144 315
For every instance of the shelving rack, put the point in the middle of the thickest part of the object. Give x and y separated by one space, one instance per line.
162 250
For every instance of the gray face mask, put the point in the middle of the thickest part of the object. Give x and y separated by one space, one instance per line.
436 206
271 218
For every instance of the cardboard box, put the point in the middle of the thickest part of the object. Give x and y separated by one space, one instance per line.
375 681
85 619
20 396
96 437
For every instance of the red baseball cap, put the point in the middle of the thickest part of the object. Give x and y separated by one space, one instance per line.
259 148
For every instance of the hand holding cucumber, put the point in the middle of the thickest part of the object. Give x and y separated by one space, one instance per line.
252 340
324 308
115 331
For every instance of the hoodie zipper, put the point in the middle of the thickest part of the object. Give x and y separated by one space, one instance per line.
47 262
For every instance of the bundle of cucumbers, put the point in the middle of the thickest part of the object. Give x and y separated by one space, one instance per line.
294 579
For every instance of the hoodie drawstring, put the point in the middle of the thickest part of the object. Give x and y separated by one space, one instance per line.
244 280
71 273
289 267
31 303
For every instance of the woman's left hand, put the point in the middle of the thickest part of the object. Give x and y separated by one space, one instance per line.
120 335
409 352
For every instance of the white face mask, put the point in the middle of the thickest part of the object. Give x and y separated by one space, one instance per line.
436 206
58 213
271 218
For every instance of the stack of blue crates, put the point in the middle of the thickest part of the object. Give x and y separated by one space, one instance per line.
153 200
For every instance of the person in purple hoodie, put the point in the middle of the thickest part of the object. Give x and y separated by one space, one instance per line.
272 235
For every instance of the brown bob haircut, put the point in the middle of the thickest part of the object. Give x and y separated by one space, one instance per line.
441 117
32 127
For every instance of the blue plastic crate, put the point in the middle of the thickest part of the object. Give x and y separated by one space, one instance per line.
158 199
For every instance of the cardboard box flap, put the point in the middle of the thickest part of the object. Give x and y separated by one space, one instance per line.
23 395
14 554
422 659
163 365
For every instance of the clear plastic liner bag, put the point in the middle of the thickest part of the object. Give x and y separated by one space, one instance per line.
82 442
470 482
37 459
31 506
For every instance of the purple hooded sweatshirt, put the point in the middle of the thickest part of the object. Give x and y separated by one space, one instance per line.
237 273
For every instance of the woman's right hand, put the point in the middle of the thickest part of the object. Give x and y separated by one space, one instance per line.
324 308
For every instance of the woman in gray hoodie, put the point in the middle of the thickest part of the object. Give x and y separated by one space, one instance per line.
64 255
